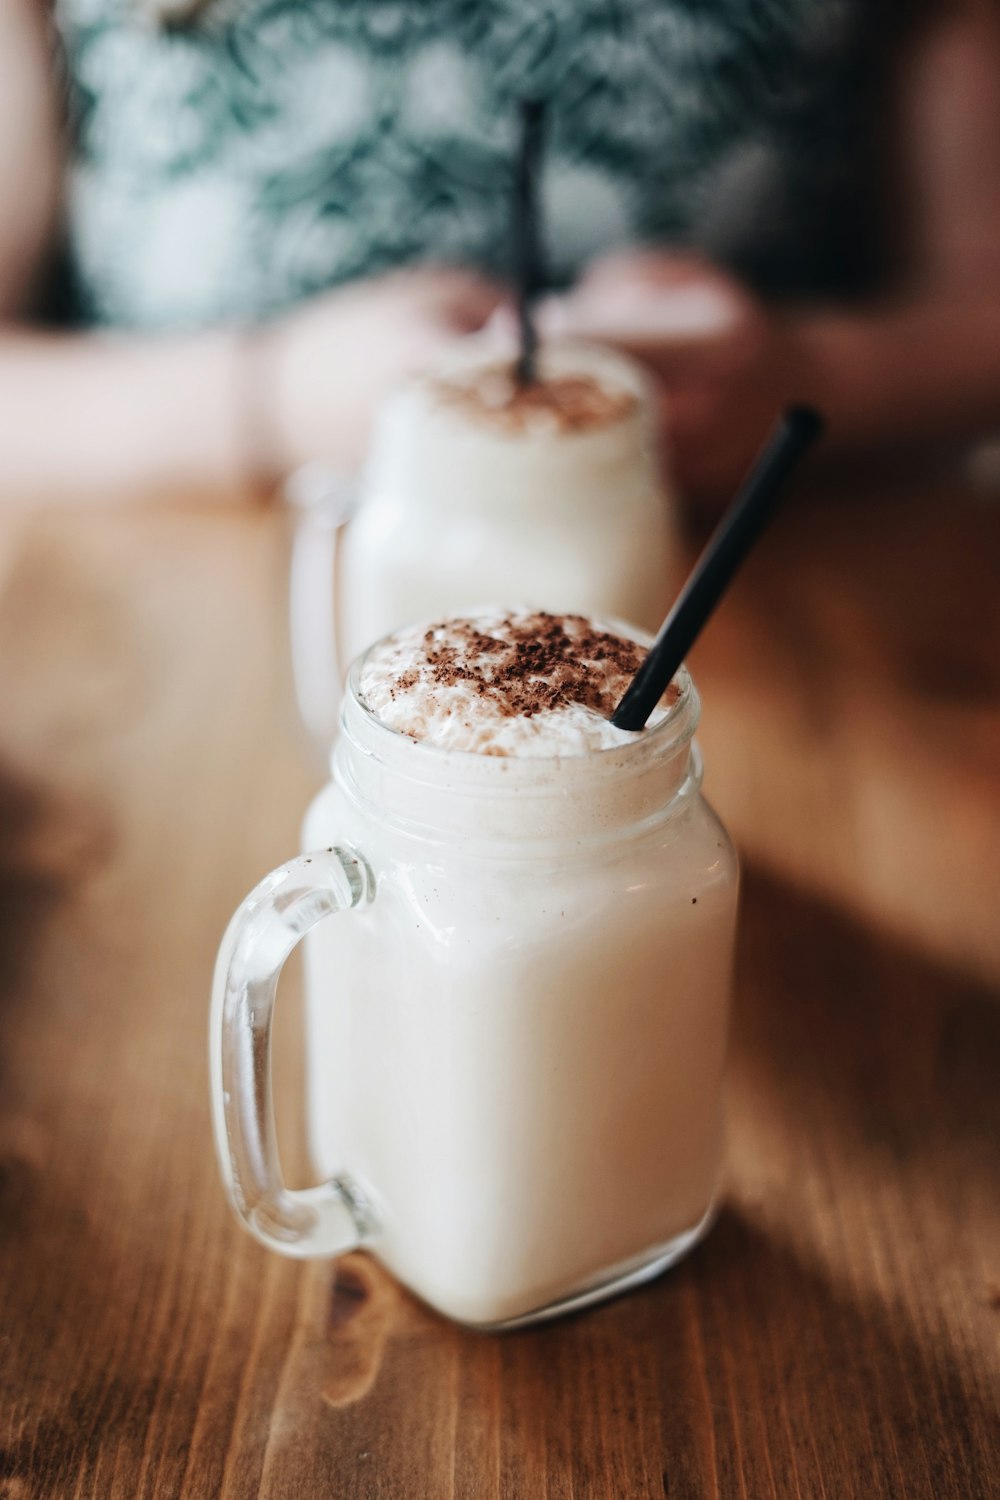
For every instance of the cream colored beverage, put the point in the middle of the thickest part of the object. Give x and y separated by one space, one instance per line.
516 1031
477 490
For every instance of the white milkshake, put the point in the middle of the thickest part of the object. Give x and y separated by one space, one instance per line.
516 1047
478 490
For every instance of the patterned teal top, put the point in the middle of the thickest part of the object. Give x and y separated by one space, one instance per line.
227 165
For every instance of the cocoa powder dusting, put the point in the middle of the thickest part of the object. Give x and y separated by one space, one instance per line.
540 662
570 403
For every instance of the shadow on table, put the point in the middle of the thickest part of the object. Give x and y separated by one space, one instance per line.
49 846
775 1377
850 1030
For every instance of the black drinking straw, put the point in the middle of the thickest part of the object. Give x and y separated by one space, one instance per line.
527 240
796 431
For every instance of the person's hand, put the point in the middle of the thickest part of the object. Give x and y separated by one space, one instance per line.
723 364
333 360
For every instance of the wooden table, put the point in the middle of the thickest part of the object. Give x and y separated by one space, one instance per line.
836 1336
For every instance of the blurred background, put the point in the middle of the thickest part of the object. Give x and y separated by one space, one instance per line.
229 226
229 230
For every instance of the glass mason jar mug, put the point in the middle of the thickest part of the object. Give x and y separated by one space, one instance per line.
461 505
515 1038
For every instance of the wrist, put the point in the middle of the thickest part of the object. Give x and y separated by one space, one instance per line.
849 372
814 367
326 374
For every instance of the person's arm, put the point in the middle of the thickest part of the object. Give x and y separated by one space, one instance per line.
85 416
100 416
928 363
88 417
948 125
29 154
82 415
927 371
923 367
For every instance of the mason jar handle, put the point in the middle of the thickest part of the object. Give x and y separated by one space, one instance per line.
332 1217
321 502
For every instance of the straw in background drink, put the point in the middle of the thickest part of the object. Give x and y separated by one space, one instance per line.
527 239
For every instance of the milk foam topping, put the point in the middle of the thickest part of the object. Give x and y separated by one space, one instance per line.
519 683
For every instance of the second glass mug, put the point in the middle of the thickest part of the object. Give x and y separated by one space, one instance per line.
516 1034
452 514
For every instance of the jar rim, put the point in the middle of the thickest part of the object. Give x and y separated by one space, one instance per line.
661 739
525 804
482 352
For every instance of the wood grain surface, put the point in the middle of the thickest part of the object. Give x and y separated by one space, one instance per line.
835 1336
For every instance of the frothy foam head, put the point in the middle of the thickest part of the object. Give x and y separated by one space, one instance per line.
557 402
519 683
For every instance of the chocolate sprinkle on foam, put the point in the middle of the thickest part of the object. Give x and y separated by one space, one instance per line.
559 403
517 683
